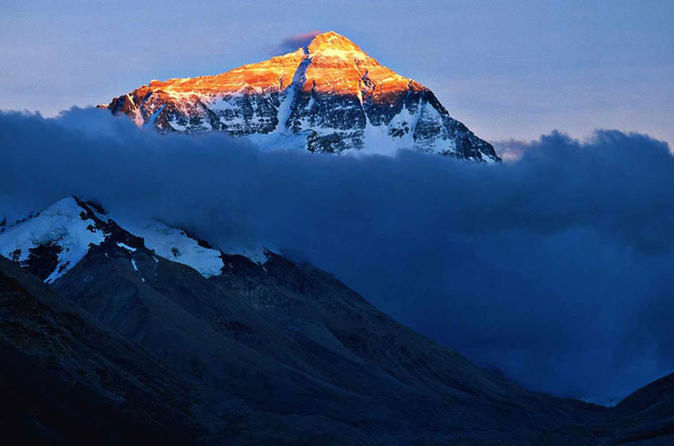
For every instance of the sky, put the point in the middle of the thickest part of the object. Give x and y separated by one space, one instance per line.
509 70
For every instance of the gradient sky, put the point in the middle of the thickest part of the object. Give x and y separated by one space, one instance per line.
506 69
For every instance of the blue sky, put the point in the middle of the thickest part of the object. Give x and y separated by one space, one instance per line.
507 69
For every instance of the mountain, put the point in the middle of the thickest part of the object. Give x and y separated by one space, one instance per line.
327 97
226 347
66 380
644 418
53 241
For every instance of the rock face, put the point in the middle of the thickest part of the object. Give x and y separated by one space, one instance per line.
327 97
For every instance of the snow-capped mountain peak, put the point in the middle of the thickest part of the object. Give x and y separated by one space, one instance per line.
53 241
329 96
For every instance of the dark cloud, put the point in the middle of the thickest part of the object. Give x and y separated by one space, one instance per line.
292 43
556 268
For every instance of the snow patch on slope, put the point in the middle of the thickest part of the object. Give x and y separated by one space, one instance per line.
175 245
178 246
125 246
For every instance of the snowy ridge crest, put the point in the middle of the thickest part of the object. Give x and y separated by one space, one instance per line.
53 241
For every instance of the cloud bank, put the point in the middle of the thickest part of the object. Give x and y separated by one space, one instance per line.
555 268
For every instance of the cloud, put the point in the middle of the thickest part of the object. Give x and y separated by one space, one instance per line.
555 268
292 43
511 150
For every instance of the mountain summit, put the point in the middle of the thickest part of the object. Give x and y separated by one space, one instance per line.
329 96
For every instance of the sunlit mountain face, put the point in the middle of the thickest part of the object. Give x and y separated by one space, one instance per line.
329 96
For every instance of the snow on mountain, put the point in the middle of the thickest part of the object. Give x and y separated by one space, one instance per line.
328 97
176 245
53 241
62 233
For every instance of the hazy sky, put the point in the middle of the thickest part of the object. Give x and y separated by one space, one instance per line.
507 69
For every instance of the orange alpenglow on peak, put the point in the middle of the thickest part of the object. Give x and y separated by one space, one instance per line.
337 65
332 41
330 94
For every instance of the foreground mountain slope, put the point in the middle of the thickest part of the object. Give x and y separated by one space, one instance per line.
275 351
646 416
327 97
65 380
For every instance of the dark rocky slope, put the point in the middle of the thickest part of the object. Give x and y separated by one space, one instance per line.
65 380
286 355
